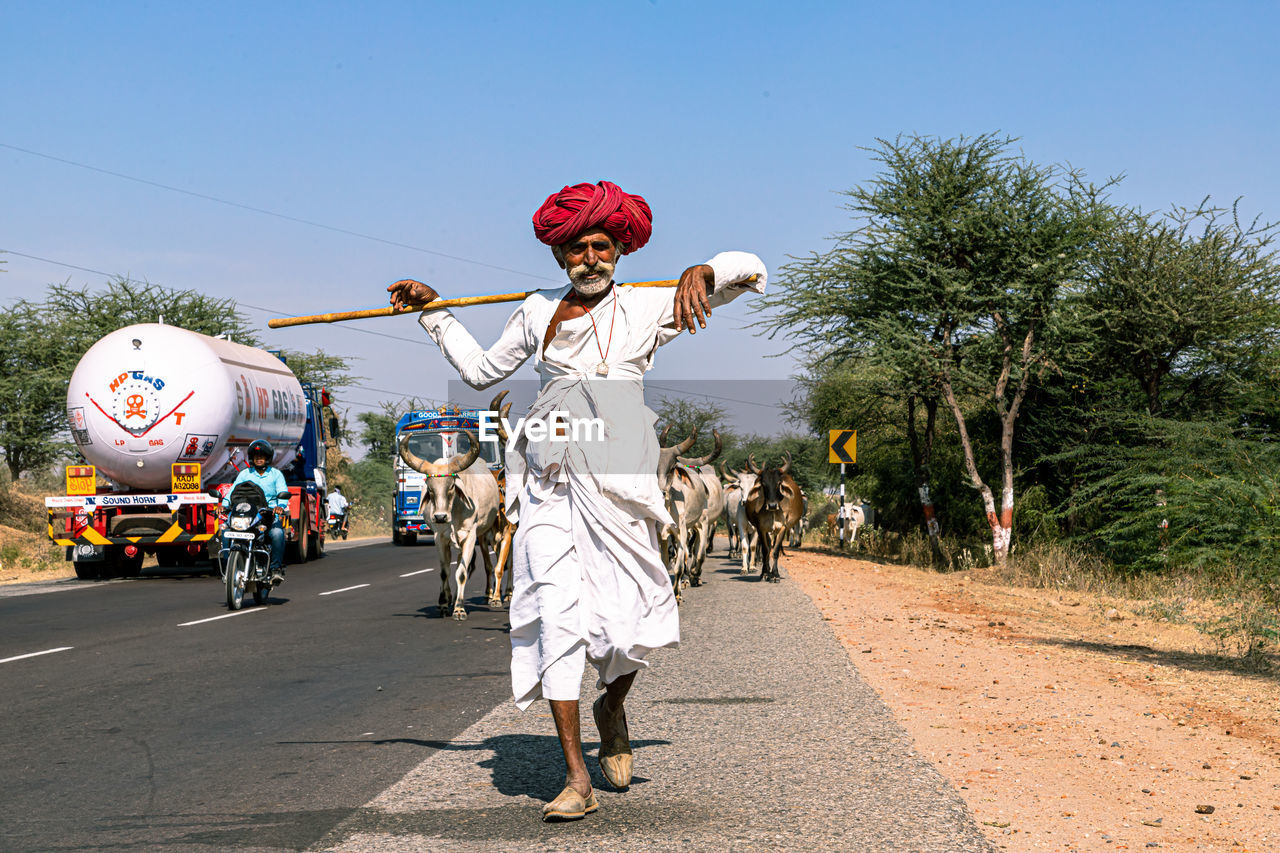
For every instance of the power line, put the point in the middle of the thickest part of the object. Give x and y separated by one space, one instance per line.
287 217
277 215
649 385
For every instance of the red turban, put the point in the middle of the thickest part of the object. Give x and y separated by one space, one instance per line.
566 214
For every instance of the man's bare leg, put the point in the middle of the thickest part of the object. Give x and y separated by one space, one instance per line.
616 691
568 727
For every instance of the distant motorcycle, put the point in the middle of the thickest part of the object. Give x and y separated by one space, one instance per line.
246 551
337 525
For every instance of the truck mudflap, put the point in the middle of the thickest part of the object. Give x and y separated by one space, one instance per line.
71 519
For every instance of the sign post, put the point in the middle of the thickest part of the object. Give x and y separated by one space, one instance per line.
842 447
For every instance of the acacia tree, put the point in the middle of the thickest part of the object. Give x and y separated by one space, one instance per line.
1192 296
34 369
952 283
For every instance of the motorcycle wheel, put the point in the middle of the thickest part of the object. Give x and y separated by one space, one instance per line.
237 571
261 592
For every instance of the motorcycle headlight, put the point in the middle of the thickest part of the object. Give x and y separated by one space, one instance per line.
240 522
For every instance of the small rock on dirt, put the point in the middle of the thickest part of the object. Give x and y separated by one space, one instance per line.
1204 809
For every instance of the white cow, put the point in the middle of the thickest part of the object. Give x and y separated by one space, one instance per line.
461 504
682 499
703 478
746 531
853 517
732 497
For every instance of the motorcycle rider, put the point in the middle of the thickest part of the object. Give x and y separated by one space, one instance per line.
336 504
268 478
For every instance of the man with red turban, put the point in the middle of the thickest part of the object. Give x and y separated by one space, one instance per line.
589 583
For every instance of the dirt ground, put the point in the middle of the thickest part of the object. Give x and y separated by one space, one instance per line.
1062 726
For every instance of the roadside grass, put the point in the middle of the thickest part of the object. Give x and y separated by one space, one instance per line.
362 526
1236 612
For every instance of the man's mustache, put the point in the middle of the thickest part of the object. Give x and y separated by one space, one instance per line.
581 271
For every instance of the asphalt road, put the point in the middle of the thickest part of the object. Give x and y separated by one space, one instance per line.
346 716
255 730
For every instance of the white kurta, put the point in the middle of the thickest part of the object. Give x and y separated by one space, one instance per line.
587 570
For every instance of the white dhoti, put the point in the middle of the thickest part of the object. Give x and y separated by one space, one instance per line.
584 588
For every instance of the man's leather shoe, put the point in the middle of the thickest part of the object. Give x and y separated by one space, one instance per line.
569 805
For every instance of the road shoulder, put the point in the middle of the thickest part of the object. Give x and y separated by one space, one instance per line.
1061 729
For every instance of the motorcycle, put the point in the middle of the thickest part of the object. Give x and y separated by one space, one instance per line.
246 551
337 525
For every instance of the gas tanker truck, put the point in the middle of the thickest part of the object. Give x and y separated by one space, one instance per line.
166 416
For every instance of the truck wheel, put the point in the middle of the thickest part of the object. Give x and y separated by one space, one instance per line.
411 539
396 538
237 570
86 571
300 551
317 546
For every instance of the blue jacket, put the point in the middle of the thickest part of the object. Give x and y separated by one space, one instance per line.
270 481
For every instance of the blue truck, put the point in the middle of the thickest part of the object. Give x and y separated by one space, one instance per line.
435 434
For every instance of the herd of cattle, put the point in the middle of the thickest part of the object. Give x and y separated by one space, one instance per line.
761 508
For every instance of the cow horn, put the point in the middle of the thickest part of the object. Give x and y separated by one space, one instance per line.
683 447
417 463
495 406
699 461
751 464
459 463
729 476
679 447
496 403
502 431
786 466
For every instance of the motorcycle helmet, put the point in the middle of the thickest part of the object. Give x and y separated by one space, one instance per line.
260 446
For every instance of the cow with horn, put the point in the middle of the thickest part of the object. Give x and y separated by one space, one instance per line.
685 501
506 528
745 531
589 581
703 528
460 502
773 507
732 497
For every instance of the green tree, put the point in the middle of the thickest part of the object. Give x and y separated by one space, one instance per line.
1189 302
952 284
92 314
34 369
378 431
683 415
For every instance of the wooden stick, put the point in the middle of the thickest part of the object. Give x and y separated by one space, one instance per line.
390 311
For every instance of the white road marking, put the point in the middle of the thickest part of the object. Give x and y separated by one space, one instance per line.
225 616
345 589
418 572
37 654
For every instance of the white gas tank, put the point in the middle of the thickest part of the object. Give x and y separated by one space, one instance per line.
149 395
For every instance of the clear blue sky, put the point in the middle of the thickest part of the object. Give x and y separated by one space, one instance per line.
441 126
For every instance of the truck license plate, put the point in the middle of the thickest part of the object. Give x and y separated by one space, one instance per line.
236 534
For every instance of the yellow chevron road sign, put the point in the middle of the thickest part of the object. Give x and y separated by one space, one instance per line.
842 446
